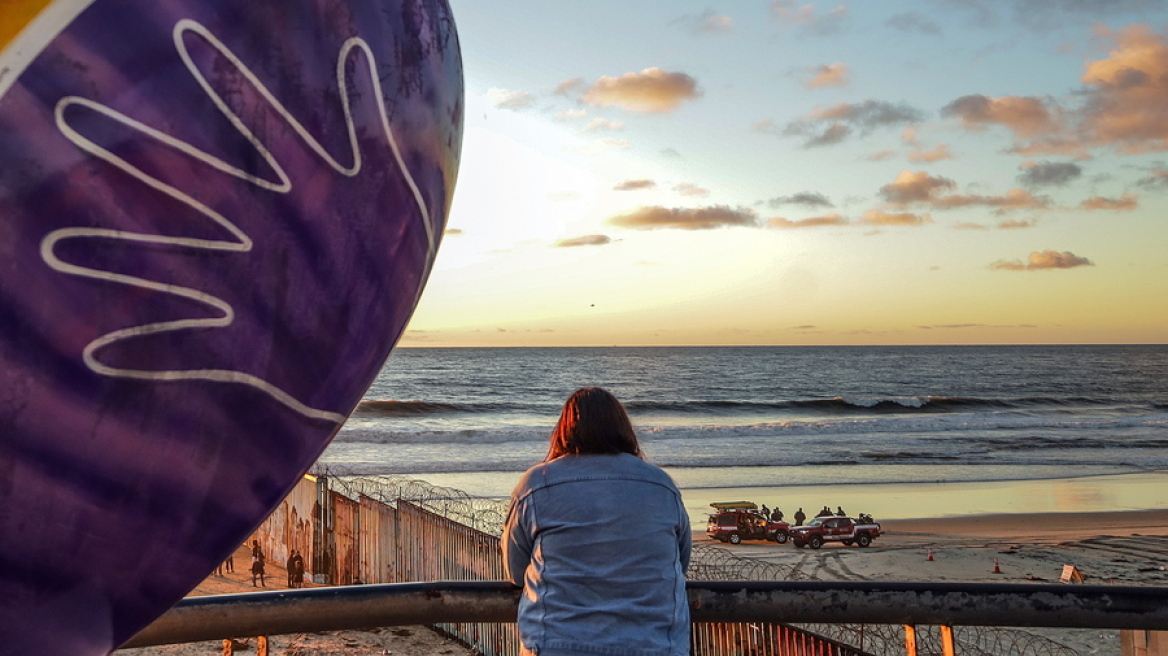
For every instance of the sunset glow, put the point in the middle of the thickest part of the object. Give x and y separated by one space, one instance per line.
804 172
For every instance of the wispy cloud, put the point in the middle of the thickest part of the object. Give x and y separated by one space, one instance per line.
599 124
1014 224
909 22
508 99
831 125
682 218
920 188
831 219
690 189
805 198
569 87
1048 174
707 22
1125 203
804 13
1156 179
632 185
583 240
650 91
881 218
1039 260
929 155
827 75
569 115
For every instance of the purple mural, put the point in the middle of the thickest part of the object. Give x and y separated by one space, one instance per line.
216 217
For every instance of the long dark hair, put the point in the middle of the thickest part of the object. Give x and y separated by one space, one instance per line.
593 421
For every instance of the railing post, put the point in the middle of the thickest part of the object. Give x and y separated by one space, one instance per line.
948 645
910 640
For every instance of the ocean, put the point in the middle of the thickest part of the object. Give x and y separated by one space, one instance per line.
724 418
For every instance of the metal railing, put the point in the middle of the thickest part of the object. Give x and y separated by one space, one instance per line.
952 604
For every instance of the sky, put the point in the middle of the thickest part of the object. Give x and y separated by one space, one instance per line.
668 172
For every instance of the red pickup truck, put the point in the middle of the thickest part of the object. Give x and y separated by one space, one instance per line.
835 529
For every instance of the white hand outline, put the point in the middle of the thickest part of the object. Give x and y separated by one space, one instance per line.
242 243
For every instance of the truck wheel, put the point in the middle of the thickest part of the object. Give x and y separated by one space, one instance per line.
735 538
863 540
781 537
815 542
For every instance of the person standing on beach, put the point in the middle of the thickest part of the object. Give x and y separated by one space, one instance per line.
799 517
257 571
592 584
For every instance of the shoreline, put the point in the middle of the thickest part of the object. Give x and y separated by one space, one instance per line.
1103 493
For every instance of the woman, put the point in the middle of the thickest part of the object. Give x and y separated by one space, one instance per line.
599 540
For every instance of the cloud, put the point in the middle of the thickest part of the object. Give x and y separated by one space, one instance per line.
880 156
652 217
1126 203
918 187
805 198
914 187
650 91
936 154
766 126
913 22
831 125
569 87
571 115
970 226
881 218
828 75
507 99
1045 15
832 219
602 125
584 240
833 134
1048 174
671 153
802 13
962 326
1039 260
1014 224
708 22
1157 178
1120 106
1027 116
690 189
1129 92
631 185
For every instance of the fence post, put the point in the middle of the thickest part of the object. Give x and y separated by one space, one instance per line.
910 640
948 645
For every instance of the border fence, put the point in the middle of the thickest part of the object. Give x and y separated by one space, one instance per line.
388 529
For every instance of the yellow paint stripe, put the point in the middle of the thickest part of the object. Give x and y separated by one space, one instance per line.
15 15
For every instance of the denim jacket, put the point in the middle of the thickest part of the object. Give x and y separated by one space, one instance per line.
600 544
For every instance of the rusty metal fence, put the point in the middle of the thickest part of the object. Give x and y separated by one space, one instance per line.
388 529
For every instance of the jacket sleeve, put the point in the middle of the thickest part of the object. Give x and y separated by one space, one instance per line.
516 542
684 536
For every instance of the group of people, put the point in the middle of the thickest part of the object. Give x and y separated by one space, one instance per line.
776 515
